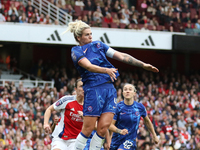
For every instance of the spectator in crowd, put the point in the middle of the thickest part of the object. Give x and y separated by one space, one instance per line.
21 10
116 19
197 25
186 18
108 19
89 6
80 3
97 23
70 10
124 20
97 15
154 22
12 9
116 8
134 19
90 17
145 27
151 9
2 18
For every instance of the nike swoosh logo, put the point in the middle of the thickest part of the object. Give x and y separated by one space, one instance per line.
85 50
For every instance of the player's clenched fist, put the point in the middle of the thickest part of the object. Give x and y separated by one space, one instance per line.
47 128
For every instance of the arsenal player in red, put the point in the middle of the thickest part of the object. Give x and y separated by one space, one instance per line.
70 124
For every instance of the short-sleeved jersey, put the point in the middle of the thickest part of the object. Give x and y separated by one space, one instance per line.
127 117
70 124
95 52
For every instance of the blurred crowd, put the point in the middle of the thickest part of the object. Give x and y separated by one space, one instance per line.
172 101
156 15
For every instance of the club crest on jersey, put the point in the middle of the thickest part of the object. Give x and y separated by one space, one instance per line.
90 108
59 103
73 56
137 113
98 45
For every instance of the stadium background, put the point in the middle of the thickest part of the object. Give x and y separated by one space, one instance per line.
171 96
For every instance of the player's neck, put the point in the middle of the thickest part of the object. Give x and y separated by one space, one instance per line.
80 100
128 101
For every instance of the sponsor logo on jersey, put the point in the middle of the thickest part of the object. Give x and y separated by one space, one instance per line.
90 108
122 113
98 45
72 109
137 113
59 103
85 50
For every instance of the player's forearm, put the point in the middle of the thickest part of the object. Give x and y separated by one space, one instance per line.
96 69
149 126
131 60
47 115
113 128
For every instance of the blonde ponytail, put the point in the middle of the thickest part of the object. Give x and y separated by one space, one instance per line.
77 28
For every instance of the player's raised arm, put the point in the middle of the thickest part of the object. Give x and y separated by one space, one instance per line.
128 59
47 115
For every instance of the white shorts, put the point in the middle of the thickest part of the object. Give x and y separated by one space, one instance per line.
58 143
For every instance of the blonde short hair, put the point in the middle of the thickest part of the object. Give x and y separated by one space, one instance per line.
131 85
77 27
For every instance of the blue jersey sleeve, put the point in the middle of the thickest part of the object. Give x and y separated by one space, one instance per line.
105 47
116 114
143 111
77 54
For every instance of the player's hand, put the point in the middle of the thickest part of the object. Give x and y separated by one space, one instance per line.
111 72
155 139
149 67
47 128
124 132
80 114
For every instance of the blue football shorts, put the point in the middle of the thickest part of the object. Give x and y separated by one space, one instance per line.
99 99
128 145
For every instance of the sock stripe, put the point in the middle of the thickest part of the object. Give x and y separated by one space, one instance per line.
84 135
99 136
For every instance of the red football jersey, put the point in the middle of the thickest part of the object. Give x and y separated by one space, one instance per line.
70 124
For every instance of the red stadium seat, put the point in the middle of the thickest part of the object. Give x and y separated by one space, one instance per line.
193 12
122 25
183 15
78 11
150 27
113 25
159 28
140 26
104 24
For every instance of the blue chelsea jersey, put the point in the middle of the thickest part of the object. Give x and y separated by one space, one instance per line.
95 52
127 117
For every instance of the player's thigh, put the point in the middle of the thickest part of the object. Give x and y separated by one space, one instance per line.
105 120
58 144
89 123
71 144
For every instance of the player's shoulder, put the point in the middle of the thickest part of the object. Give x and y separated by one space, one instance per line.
120 104
139 105
66 99
75 48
